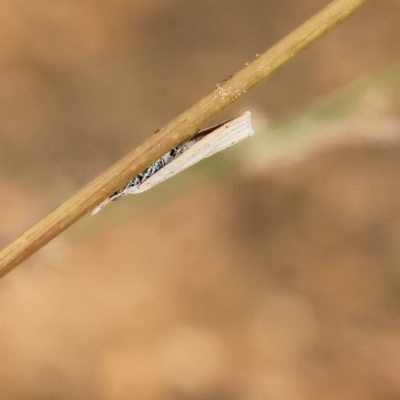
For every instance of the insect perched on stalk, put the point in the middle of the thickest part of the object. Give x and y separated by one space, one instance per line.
203 144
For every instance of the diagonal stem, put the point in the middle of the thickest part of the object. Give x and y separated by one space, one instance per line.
174 133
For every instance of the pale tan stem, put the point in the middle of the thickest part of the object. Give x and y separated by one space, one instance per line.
180 129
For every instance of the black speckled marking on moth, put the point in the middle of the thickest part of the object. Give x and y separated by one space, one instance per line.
156 166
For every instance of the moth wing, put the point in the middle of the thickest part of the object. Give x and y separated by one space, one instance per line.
226 135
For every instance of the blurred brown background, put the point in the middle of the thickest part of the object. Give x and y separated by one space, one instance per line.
277 280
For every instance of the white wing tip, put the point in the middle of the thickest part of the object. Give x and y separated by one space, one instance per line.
246 117
96 210
100 206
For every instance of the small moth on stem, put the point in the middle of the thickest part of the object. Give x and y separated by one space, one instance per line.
202 145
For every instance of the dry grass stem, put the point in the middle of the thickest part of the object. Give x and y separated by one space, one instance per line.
180 129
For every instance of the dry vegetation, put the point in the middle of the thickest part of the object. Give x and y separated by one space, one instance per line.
278 281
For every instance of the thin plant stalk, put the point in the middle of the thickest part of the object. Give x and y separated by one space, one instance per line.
174 133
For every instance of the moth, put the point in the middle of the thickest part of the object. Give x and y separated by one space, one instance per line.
203 144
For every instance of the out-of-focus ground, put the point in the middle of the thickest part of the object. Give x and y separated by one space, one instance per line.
279 280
